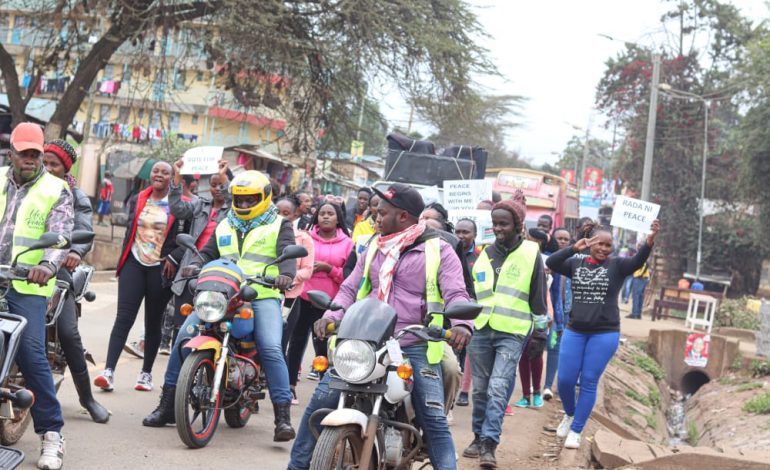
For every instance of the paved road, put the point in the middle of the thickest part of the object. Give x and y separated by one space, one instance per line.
124 443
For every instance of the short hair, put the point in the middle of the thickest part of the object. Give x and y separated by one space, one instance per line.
365 190
472 222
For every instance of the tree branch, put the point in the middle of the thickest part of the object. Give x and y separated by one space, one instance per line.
12 87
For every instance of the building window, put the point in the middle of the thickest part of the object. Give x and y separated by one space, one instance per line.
140 115
179 79
18 29
194 119
199 75
104 113
155 119
109 72
124 114
173 121
126 74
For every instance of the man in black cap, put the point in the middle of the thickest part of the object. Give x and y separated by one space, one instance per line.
409 267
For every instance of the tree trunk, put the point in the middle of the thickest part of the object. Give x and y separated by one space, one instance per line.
12 88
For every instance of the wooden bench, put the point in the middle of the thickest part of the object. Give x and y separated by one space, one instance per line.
672 297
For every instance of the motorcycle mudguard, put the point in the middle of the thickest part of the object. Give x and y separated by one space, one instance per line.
346 416
205 342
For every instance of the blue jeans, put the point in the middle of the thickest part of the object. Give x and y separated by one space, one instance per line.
428 401
32 361
584 356
638 285
552 361
627 288
268 330
494 360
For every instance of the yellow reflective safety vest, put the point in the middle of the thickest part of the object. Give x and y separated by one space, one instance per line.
258 249
432 293
506 306
31 217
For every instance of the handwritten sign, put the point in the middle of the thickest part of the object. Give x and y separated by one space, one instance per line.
466 194
634 214
483 219
202 160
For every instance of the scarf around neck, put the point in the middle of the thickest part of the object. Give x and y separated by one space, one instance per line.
246 226
392 246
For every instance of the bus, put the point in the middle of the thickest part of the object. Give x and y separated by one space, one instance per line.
546 194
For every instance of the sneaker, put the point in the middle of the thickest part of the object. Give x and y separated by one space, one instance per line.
144 382
563 428
523 403
537 400
51 451
294 400
572 441
547 394
105 380
462 399
165 350
135 348
508 410
313 375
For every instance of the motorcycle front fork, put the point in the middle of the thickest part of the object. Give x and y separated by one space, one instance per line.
220 370
367 449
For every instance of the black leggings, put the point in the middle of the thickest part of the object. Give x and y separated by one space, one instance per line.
136 283
298 339
69 337
288 326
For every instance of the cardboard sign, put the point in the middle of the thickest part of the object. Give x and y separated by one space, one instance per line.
634 214
696 351
466 194
483 219
202 160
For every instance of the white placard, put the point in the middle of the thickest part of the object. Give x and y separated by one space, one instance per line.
202 160
634 214
430 194
466 194
483 219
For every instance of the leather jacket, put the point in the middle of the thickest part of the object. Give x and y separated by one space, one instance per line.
83 220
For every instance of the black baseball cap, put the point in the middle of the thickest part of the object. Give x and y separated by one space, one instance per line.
404 197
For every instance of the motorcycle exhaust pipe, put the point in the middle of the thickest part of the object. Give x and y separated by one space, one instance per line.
21 398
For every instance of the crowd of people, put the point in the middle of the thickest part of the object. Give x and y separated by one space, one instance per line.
544 291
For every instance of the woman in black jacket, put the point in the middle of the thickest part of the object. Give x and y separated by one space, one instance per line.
58 157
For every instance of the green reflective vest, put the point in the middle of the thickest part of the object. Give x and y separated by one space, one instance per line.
432 293
31 217
506 306
258 249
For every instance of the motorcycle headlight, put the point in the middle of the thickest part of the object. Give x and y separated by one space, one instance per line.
354 360
210 306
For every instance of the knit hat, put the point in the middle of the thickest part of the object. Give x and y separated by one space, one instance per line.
516 205
64 151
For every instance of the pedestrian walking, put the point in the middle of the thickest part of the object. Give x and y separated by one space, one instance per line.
639 281
593 331
561 298
105 197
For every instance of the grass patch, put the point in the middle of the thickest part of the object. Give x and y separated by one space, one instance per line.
749 386
759 368
760 404
640 344
654 396
648 364
634 395
692 434
737 363
629 422
727 380
652 420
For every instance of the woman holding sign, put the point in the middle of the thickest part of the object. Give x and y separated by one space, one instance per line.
593 330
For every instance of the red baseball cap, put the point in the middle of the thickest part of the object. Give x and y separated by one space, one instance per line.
27 136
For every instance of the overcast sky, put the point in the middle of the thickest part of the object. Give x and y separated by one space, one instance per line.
552 53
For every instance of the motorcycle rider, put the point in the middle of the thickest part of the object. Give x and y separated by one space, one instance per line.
33 202
250 235
510 282
58 158
412 269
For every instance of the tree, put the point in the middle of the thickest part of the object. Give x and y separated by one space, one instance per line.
372 132
599 154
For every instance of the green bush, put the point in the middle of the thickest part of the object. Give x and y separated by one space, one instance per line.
648 364
737 363
693 436
652 420
759 368
733 313
760 404
634 395
748 386
654 396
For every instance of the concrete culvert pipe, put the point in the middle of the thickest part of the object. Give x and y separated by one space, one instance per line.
692 381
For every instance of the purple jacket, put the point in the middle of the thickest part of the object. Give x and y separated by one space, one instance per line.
408 296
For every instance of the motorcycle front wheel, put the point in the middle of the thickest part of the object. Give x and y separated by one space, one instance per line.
196 419
11 430
339 447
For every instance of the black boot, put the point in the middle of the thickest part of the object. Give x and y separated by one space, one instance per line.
83 385
472 451
283 430
487 454
164 413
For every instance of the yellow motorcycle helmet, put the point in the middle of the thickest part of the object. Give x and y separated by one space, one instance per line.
251 183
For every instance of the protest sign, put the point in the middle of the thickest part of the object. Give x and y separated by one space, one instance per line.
634 214
466 194
696 350
430 194
202 160
483 219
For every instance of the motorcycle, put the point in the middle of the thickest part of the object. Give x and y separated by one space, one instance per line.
222 371
15 399
374 425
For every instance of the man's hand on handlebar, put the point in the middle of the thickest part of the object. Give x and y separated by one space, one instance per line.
282 282
71 261
320 326
39 275
460 337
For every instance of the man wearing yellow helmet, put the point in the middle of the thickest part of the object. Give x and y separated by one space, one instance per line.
252 235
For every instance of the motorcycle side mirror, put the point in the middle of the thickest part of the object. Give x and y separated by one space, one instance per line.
187 241
321 300
248 293
291 252
82 236
50 240
463 311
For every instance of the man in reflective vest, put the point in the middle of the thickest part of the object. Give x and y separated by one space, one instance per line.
34 202
251 236
510 282
415 272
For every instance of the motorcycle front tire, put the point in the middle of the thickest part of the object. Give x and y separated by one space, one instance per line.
331 446
195 366
12 430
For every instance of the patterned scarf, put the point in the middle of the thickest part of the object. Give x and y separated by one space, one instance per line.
246 226
391 246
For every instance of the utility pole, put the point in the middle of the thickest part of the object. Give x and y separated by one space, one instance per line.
706 105
361 114
411 116
581 169
650 142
